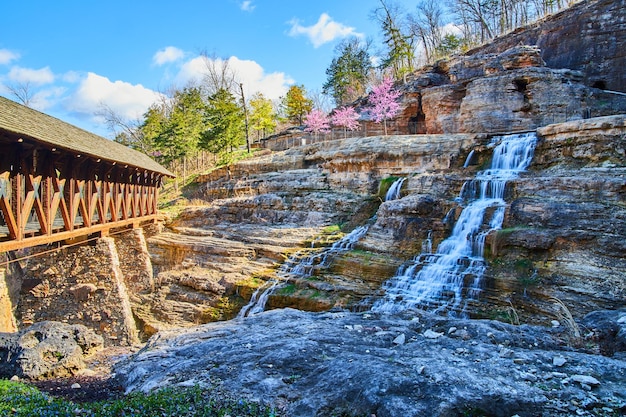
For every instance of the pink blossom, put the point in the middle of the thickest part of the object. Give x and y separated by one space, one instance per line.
316 121
346 117
383 99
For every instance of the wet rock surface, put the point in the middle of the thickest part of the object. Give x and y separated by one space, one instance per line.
318 364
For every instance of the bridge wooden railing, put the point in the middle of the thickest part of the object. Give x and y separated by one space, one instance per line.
46 198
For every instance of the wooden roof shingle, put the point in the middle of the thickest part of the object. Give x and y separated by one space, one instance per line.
24 121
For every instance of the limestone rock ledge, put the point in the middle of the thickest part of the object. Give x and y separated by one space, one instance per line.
320 364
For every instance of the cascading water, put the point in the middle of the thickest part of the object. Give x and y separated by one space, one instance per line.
393 193
445 280
258 300
468 160
301 266
306 266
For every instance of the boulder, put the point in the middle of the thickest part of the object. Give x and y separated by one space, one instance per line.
47 349
608 328
340 363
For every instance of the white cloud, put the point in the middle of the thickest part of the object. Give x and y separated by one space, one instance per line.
324 31
71 77
168 54
128 100
247 6
191 71
249 73
7 56
47 98
255 80
33 76
451 28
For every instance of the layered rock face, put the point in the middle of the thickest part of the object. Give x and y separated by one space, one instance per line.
559 254
566 222
559 251
508 92
262 211
588 36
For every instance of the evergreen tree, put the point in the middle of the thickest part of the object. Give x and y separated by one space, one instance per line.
153 128
400 57
225 121
348 72
175 131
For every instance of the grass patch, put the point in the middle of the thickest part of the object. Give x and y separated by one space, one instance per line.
21 400
288 289
335 228
384 186
253 281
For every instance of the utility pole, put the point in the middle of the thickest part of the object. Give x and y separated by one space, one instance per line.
245 114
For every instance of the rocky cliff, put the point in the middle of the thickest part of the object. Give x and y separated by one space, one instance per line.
589 36
559 252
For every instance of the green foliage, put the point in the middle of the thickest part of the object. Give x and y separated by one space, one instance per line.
296 104
20 400
225 121
400 56
263 118
348 72
450 44
174 132
334 228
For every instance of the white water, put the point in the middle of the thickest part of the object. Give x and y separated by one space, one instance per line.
468 159
301 266
445 280
393 193
258 300
307 265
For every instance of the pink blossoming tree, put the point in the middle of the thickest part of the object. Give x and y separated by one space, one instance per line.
316 122
347 118
384 102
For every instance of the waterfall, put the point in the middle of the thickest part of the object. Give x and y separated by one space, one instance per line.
305 266
394 191
468 160
258 300
301 266
445 280
427 244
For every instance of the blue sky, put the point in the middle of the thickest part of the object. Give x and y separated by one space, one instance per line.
77 54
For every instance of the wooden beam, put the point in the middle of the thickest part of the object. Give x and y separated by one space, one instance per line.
73 234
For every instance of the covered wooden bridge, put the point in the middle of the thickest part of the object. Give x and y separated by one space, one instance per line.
59 182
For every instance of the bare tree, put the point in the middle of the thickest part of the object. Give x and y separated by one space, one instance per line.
218 75
427 25
127 132
23 92
477 15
